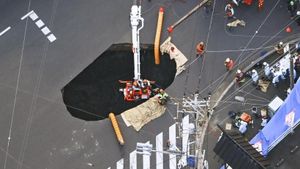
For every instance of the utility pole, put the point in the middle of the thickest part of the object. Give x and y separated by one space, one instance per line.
199 108
147 149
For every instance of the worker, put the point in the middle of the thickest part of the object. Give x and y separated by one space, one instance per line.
162 97
279 48
229 11
275 80
239 77
255 77
267 70
200 49
229 63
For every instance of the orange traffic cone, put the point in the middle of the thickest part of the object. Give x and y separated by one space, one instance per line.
288 29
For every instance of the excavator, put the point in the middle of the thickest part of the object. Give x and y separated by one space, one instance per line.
137 88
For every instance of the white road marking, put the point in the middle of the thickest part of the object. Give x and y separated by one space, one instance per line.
146 160
185 136
39 23
120 164
51 38
25 16
5 30
45 30
132 160
172 139
33 16
159 148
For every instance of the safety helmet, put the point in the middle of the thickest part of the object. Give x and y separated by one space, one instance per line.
265 63
227 60
238 71
280 43
253 71
291 2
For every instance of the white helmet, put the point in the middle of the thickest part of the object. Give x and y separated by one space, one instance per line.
238 71
227 60
280 43
253 71
265 63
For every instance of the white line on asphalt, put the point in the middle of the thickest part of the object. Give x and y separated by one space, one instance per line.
132 160
39 23
45 30
33 16
172 139
185 135
25 16
51 38
120 164
159 148
5 30
146 160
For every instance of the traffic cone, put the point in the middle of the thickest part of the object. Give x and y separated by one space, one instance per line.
288 29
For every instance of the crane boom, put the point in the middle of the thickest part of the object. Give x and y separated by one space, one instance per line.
137 23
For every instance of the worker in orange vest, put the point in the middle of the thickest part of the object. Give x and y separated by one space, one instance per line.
229 11
260 4
200 48
229 63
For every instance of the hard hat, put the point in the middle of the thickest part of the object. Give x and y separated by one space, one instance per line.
291 2
227 60
238 71
253 71
280 43
298 12
265 63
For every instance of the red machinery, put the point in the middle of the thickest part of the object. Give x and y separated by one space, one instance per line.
136 90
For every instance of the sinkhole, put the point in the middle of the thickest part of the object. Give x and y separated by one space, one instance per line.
94 92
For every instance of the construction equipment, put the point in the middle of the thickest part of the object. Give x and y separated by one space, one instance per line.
138 88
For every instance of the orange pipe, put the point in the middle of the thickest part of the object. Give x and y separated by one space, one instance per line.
157 36
116 127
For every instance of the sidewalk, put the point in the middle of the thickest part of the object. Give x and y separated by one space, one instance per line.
228 86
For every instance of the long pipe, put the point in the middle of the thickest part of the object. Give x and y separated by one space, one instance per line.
116 127
157 36
171 28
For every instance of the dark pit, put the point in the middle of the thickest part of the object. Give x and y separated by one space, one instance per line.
94 93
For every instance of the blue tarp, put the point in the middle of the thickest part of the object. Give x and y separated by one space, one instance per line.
287 115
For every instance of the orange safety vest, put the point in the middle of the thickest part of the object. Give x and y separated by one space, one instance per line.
200 48
260 4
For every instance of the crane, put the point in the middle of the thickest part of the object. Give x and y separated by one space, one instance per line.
138 88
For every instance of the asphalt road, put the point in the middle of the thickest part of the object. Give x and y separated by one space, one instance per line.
33 71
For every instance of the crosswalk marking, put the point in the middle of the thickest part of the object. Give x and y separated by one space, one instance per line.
146 160
120 164
185 137
45 30
39 23
132 160
159 148
172 139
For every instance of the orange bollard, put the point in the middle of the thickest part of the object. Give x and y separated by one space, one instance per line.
116 127
157 36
